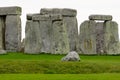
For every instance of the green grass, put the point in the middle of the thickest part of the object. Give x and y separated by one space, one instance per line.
50 57
22 56
105 76
51 64
19 66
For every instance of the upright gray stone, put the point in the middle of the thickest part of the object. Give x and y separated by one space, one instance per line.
32 44
46 34
111 38
87 37
2 29
72 31
60 38
100 37
104 35
100 17
13 33
10 28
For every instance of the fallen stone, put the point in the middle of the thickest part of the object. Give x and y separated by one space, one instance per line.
71 56
100 17
13 33
87 37
10 10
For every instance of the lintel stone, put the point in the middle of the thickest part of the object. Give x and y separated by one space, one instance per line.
10 10
64 11
41 17
56 17
101 17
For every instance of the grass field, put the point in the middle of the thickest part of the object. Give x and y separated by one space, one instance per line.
105 76
19 66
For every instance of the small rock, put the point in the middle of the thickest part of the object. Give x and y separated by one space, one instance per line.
3 52
71 56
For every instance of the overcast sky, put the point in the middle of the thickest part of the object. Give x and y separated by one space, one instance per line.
84 7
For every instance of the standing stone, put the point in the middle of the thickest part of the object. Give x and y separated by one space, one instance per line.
2 26
111 38
100 37
87 37
104 35
46 34
72 31
60 38
32 44
13 33
2 29
10 28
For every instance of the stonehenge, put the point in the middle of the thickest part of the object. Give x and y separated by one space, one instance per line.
10 29
55 31
99 37
52 31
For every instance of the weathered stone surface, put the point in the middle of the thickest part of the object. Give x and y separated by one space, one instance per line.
69 12
57 17
32 39
100 17
72 31
63 12
38 17
10 10
60 38
13 33
100 37
3 52
87 37
46 36
111 38
29 16
2 29
71 56
22 46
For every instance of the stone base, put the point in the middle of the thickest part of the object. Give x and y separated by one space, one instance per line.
3 52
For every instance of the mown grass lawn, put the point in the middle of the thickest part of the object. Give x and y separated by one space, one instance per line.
104 76
19 66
